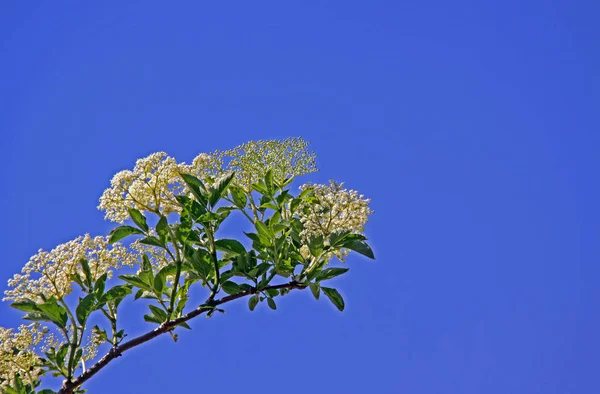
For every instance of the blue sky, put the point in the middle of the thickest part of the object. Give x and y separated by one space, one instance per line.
472 126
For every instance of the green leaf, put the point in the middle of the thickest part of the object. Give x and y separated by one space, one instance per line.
273 292
219 188
159 313
48 311
146 274
258 239
153 319
87 272
46 391
54 311
153 241
335 297
315 289
337 238
197 188
259 270
252 302
264 230
136 281
271 303
269 205
360 247
86 305
202 263
116 293
162 228
138 218
330 273
121 232
100 284
161 278
238 196
315 245
231 287
191 206
25 306
261 188
269 182
230 246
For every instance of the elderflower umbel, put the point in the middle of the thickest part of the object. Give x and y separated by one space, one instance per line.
18 354
286 158
149 187
48 273
333 208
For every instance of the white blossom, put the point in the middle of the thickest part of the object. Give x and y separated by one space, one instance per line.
18 353
49 273
151 186
330 208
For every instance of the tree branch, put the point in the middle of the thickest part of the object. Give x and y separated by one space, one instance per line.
116 351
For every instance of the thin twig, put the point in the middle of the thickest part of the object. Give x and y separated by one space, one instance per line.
116 351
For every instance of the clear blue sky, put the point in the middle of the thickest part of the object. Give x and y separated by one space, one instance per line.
473 126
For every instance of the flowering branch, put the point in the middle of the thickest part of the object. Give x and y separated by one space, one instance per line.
292 237
117 351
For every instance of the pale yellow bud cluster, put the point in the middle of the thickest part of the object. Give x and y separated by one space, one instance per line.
18 354
287 158
331 208
49 273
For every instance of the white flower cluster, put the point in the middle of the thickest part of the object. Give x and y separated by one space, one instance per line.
49 273
153 184
18 355
149 187
287 158
330 208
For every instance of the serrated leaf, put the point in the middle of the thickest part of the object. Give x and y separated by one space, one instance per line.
261 188
162 228
360 247
153 241
238 196
338 237
153 319
264 230
159 313
231 287
315 245
86 271
85 307
197 187
219 188
138 218
25 305
201 263
100 284
116 293
230 246
136 281
121 232
335 297
315 289
330 273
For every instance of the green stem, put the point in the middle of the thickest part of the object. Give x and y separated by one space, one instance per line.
74 344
